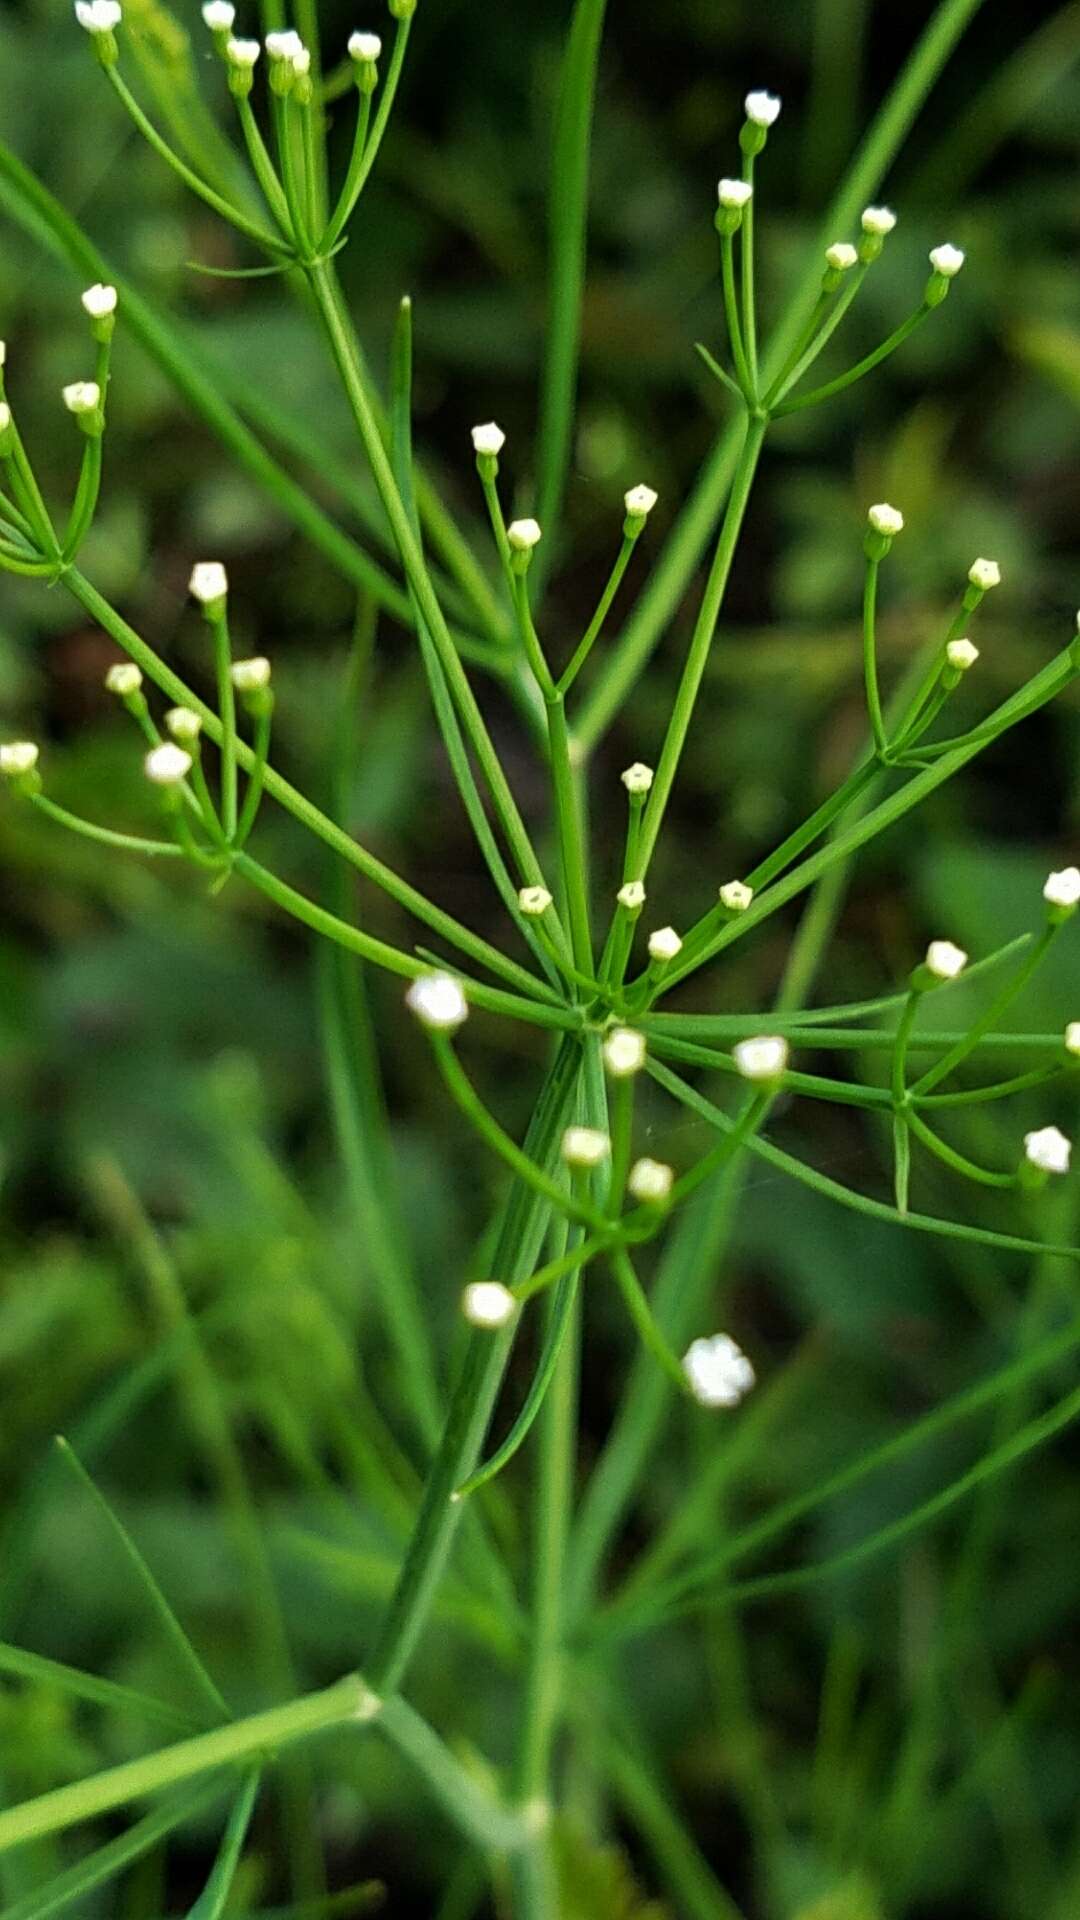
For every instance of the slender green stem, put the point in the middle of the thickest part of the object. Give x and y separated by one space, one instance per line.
746 263
263 168
731 314
571 838
104 836
293 177
644 1320
596 625
256 777
525 1169
870 670
219 627
559 1324
827 317
864 366
958 1162
366 148
988 1020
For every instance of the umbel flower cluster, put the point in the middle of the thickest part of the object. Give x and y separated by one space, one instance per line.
591 966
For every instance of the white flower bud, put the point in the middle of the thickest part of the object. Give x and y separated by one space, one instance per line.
82 396
640 500
284 46
946 260
488 439
438 1001
123 679
3 363
300 61
944 960
364 46
1072 1037
762 108
18 756
584 1146
99 301
250 676
534 901
841 256
5 416
487 1303
664 944
736 896
219 16
242 53
624 1052
961 654
209 582
97 16
524 535
650 1181
762 1058
638 778
718 1371
879 220
632 896
1063 889
885 519
183 724
984 574
1048 1149
733 194
167 764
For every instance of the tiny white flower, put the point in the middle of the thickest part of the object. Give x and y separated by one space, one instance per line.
841 256
5 416
1072 1037
3 363
183 724
300 62
488 438
664 944
624 1052
438 1001
879 220
984 574
733 193
123 679
718 1371
640 500
764 1057
638 778
242 53
284 46
97 16
762 108
250 676
886 519
487 1303
650 1180
946 260
99 301
18 756
167 764
736 896
944 960
534 901
364 46
208 582
523 535
585 1146
82 396
1048 1149
632 896
961 654
1063 889
218 15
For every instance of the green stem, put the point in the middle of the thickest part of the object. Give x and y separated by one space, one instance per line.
731 314
960 1050
256 778
365 151
746 262
870 672
596 624
571 839
956 1161
864 366
263 168
104 836
226 695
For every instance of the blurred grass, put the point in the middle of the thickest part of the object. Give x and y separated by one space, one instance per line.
901 1740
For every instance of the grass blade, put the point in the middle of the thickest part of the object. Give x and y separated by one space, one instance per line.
210 1904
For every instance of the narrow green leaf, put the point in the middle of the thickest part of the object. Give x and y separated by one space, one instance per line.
210 1904
107 1861
39 1671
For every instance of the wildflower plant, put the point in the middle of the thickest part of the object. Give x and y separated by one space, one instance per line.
591 959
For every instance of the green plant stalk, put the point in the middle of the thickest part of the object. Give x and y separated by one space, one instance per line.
559 1322
53 1674
260 1735
858 371
570 836
474 1810
949 1157
823 323
219 627
283 111
75 1882
689 536
731 315
596 624
960 1050
690 1879
249 812
104 836
870 672
521 1165
365 150
263 168
746 278
700 645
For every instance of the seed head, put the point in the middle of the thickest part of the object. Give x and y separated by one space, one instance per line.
764 1057
123 679
524 535
99 301
885 519
1048 1149
624 1052
736 896
984 574
944 960
487 1303
841 256
18 756
438 1002
878 220
961 654
664 944
82 396
946 260
184 724
218 15
167 764
585 1146
488 439
638 778
209 582
534 901
632 896
640 501
762 108
250 676
717 1371
1063 889
650 1181
97 16
364 46
733 194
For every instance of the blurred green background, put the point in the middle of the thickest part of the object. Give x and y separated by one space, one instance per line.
902 1740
